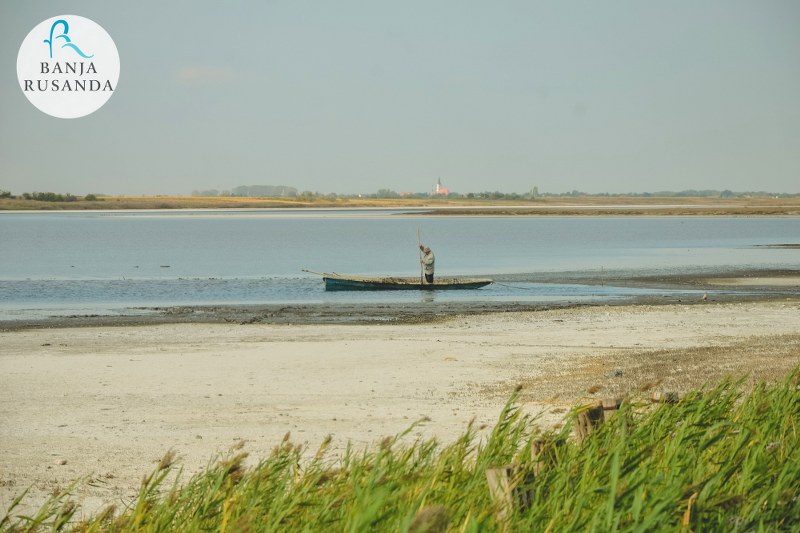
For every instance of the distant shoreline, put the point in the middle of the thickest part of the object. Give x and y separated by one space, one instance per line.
547 206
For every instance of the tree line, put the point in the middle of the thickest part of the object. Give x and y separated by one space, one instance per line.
50 196
284 191
252 191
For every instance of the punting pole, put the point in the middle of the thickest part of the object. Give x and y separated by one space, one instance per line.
419 242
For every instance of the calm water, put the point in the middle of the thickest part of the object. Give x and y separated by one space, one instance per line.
61 263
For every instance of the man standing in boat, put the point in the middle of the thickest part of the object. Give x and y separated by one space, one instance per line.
427 259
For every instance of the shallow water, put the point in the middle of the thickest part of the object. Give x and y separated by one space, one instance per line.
78 262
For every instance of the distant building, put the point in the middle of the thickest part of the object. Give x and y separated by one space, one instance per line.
440 191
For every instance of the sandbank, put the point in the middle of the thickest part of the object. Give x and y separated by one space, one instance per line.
105 403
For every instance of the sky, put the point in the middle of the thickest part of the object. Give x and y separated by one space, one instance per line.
356 96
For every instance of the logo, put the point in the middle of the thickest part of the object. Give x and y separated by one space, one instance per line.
68 66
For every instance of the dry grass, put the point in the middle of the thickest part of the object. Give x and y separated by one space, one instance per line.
561 206
617 373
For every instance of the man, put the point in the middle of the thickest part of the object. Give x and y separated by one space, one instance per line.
427 261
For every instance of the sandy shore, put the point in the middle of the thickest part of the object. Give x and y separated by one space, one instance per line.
107 402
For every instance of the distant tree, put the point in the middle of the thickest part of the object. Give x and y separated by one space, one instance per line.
5 194
280 191
387 193
208 192
90 198
48 197
305 196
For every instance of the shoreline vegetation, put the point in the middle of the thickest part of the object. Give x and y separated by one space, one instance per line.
546 205
715 459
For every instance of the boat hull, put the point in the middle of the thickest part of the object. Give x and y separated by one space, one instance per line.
335 282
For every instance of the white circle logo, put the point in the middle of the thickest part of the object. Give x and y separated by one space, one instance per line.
68 66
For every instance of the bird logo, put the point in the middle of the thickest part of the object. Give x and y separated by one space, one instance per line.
65 38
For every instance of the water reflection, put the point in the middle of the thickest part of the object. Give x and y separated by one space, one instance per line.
427 297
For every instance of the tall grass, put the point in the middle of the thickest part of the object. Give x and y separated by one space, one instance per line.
719 460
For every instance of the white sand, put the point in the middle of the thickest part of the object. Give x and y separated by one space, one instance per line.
108 402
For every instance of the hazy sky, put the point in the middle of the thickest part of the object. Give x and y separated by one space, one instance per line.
355 96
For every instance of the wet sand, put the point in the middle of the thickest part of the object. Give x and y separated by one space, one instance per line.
104 403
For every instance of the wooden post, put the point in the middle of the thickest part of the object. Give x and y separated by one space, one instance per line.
665 397
588 420
610 407
537 447
509 490
592 416
501 489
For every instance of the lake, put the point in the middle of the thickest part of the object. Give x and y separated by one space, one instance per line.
105 262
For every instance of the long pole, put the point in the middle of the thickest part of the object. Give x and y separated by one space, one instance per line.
419 242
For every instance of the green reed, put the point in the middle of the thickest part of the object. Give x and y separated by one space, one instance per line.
718 460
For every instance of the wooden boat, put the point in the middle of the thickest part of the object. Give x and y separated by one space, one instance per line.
338 282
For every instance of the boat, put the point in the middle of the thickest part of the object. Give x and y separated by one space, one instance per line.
338 282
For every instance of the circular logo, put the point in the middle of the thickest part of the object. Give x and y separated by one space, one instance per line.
68 66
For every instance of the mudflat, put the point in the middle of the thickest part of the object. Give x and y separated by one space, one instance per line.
104 403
